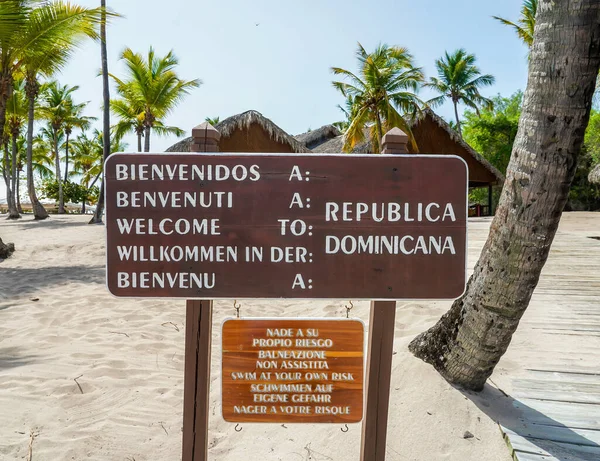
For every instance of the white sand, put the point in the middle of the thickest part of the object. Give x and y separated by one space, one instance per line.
128 355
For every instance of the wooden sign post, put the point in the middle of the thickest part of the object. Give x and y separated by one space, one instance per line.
382 325
198 341
208 226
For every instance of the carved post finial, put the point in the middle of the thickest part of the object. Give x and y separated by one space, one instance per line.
394 141
205 138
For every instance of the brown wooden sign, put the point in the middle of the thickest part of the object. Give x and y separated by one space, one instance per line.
209 226
293 371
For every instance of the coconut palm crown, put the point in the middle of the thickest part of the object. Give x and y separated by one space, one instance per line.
383 90
459 79
152 87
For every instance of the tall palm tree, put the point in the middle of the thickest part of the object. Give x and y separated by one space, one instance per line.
56 109
460 80
131 120
16 114
526 23
74 119
37 38
383 91
152 86
97 218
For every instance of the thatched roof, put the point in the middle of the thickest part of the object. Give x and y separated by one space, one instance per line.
243 121
336 144
594 176
314 138
457 139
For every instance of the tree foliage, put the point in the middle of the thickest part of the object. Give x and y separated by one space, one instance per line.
492 132
72 191
526 22
150 91
459 80
381 93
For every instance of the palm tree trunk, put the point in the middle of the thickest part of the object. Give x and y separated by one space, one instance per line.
6 88
6 175
18 193
139 139
10 167
97 219
13 212
66 155
458 127
469 340
39 212
377 148
147 138
61 197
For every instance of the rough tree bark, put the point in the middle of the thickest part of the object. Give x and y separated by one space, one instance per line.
13 212
18 193
6 249
469 340
97 218
61 195
67 136
147 131
32 88
458 127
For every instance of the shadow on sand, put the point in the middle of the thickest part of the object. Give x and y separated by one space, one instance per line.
537 434
28 223
10 358
22 281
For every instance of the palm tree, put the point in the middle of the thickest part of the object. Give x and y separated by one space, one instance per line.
37 38
526 23
214 121
460 79
132 121
152 87
16 112
56 109
382 92
468 341
74 119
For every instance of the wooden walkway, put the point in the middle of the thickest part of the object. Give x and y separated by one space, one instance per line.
557 397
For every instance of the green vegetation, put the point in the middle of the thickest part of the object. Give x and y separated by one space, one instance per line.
37 39
526 23
148 93
384 89
459 80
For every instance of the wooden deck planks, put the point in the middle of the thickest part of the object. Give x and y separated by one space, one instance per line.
557 397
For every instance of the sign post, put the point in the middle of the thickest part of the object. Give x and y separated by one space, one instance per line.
382 325
198 341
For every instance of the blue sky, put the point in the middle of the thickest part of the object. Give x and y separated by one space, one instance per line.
280 67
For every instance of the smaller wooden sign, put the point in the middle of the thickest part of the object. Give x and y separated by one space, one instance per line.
292 371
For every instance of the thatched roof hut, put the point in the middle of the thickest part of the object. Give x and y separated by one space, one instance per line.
433 136
314 138
249 132
594 176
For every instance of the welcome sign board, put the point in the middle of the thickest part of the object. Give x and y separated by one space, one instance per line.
209 226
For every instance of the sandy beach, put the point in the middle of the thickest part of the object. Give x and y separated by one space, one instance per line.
96 377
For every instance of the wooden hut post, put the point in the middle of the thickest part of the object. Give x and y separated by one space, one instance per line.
380 349
198 339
